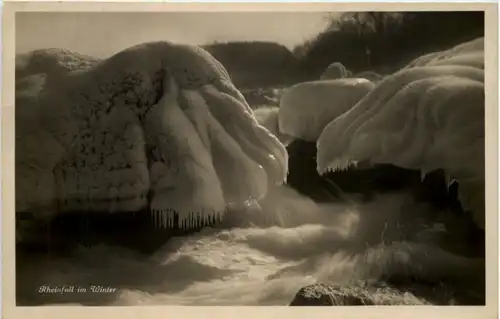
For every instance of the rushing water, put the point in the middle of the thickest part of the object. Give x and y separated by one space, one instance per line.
262 260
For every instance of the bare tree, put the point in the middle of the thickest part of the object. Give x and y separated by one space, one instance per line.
372 29
377 22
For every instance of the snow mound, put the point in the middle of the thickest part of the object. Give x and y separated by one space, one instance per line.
157 125
422 118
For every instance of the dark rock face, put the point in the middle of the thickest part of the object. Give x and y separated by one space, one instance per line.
304 178
366 181
133 230
359 293
434 189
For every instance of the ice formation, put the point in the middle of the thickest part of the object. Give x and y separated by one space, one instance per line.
423 117
306 108
336 70
157 125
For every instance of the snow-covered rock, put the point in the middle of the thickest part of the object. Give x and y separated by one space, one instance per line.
306 108
336 70
157 118
423 118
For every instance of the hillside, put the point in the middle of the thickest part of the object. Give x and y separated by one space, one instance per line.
256 64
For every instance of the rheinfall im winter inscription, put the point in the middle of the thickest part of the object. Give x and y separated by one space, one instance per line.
72 289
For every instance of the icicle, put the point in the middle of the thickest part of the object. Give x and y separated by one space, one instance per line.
449 180
422 175
153 216
355 164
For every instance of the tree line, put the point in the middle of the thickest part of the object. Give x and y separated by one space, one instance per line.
376 41
385 41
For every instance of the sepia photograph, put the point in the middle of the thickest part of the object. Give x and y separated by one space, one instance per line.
250 158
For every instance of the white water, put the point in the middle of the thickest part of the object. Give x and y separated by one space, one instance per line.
263 263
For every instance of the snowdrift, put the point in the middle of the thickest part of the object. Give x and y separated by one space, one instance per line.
157 125
427 116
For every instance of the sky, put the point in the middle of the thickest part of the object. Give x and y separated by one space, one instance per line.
102 34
